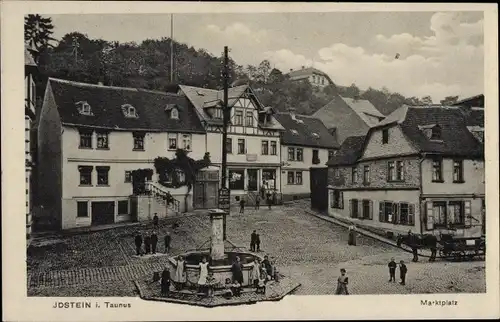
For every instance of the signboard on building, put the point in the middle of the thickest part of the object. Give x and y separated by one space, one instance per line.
224 199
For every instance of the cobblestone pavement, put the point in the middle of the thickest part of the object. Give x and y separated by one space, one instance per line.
308 249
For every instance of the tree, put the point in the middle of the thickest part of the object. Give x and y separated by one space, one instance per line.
263 71
351 91
38 31
427 100
449 100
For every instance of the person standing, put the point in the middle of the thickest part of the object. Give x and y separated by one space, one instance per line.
242 205
165 282
237 271
138 243
257 202
402 272
392 270
180 273
254 273
202 280
352 235
257 242
154 241
269 199
167 242
433 247
147 244
412 241
253 238
155 221
268 267
342 282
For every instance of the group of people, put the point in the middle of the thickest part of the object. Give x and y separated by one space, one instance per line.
267 194
150 241
402 271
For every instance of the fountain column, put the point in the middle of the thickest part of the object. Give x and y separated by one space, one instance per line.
217 237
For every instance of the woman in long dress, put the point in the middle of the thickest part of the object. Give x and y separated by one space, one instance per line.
342 282
202 280
180 273
254 273
352 235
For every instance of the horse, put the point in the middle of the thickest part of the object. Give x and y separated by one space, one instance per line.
419 241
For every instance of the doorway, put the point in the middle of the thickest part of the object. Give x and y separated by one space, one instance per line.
103 212
205 194
252 179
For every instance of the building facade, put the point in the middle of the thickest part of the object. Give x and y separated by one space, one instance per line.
91 138
314 76
30 72
349 117
305 144
420 169
253 140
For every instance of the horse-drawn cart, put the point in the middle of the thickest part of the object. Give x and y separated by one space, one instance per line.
461 248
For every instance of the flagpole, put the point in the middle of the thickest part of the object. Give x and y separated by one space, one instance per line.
172 48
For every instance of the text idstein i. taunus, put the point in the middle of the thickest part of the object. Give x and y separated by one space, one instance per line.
89 305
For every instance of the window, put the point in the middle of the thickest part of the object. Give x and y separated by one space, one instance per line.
102 176
138 141
294 132
265 147
455 213
439 213
85 175
367 209
174 114
387 212
366 174
274 148
129 111
354 211
291 154
406 214
217 113
298 177
331 154
445 214
83 107
249 118
186 142
336 172
315 157
437 170
237 179
322 81
391 171
337 199
123 207
458 171
172 141
85 139
241 146
238 117
82 208
291 177
354 175
128 176
399 171
314 78
300 154
385 136
102 140
229 145
436 133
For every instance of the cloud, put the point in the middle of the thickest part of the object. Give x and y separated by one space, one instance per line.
450 62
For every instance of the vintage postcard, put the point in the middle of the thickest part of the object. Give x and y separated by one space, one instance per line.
232 161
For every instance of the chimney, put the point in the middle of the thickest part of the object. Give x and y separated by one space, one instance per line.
291 69
332 131
291 110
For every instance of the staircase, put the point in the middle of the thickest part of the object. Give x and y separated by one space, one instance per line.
163 196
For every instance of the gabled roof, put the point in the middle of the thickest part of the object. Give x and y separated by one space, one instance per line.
456 139
475 117
364 108
476 101
106 104
306 127
350 151
306 72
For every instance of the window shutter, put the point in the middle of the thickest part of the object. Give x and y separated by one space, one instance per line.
429 216
394 213
370 214
360 209
381 211
350 208
411 214
467 214
341 200
332 196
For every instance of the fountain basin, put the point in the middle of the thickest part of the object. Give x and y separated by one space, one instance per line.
221 268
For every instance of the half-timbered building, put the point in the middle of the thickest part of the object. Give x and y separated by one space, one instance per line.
253 141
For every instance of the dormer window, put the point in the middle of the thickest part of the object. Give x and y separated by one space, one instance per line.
294 132
129 111
174 114
432 132
84 108
315 135
200 93
217 113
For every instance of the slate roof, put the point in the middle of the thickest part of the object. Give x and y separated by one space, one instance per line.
476 101
349 152
457 140
305 130
475 117
106 102
364 108
306 72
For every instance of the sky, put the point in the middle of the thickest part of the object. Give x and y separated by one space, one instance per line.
440 53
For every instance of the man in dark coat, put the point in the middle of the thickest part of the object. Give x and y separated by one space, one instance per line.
268 266
257 242
269 199
402 272
392 270
155 221
147 244
167 242
237 270
138 243
253 237
154 241
242 205
257 201
433 246
165 282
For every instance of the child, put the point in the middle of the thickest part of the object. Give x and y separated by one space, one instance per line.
342 282
402 272
392 270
